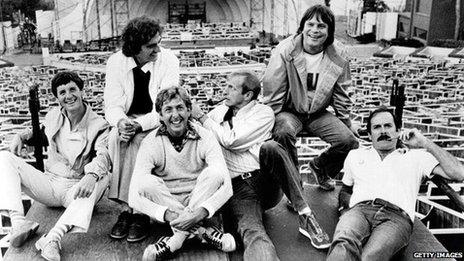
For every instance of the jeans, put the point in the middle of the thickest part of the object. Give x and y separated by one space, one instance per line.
370 232
322 124
50 190
260 192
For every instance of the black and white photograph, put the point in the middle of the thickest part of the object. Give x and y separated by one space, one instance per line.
230 130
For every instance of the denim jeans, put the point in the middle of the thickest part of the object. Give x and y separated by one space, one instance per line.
370 232
322 124
262 191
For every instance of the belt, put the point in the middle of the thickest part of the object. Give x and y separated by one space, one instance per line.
247 175
385 204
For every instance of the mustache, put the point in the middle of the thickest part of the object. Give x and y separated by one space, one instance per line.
383 137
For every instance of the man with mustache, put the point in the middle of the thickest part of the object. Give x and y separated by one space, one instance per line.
306 75
260 168
183 178
134 76
380 187
76 170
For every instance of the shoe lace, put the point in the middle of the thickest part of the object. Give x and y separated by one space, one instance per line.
162 249
214 238
319 234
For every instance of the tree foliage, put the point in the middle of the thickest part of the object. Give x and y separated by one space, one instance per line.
27 7
375 6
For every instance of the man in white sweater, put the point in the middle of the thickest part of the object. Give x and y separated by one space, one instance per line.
260 168
183 177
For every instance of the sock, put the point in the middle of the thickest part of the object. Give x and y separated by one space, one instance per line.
177 240
17 218
58 231
305 210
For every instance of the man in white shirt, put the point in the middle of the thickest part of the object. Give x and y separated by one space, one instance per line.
384 181
134 76
260 168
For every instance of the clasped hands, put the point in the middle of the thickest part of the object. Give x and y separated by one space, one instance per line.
127 129
186 219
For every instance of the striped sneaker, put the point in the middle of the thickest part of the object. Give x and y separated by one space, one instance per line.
158 251
216 238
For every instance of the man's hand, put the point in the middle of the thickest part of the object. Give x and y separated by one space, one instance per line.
170 215
197 112
127 129
187 219
354 128
16 145
85 187
413 138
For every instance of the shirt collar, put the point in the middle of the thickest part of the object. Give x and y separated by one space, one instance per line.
400 151
191 133
82 124
131 64
246 108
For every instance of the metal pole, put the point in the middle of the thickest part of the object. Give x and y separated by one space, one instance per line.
34 108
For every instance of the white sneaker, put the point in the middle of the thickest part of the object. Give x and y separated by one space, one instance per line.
216 238
50 249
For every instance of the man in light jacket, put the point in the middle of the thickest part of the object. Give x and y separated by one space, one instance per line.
306 75
134 76
75 172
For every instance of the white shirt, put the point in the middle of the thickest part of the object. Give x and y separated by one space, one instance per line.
313 62
252 126
395 179
119 88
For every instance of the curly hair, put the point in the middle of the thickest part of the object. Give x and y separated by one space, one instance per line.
325 14
171 93
139 31
66 77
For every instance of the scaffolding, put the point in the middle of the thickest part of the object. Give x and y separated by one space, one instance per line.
257 15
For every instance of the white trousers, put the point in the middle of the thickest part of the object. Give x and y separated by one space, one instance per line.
48 189
149 193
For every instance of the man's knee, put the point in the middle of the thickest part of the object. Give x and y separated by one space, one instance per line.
283 135
6 156
143 186
347 142
270 146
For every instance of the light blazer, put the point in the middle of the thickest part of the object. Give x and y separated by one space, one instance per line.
119 88
285 81
93 153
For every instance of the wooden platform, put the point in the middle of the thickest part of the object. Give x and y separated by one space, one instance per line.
96 244
282 226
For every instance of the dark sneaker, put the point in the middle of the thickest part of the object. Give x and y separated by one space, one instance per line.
312 230
23 233
216 238
139 228
158 251
322 179
121 228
